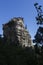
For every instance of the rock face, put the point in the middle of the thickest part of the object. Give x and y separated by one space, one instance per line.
15 31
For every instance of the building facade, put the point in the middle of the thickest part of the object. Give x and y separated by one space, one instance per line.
15 31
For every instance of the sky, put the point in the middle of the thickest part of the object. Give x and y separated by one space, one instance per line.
20 8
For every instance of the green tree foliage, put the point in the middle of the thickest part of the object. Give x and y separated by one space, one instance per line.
39 35
11 54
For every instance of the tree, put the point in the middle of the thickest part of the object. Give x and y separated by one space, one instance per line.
39 17
39 34
38 38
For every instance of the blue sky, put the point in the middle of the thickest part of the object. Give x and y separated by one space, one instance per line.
19 8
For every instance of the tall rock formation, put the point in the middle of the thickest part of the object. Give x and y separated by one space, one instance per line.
15 31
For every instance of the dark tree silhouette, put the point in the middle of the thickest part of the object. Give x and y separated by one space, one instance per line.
39 17
39 33
38 38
